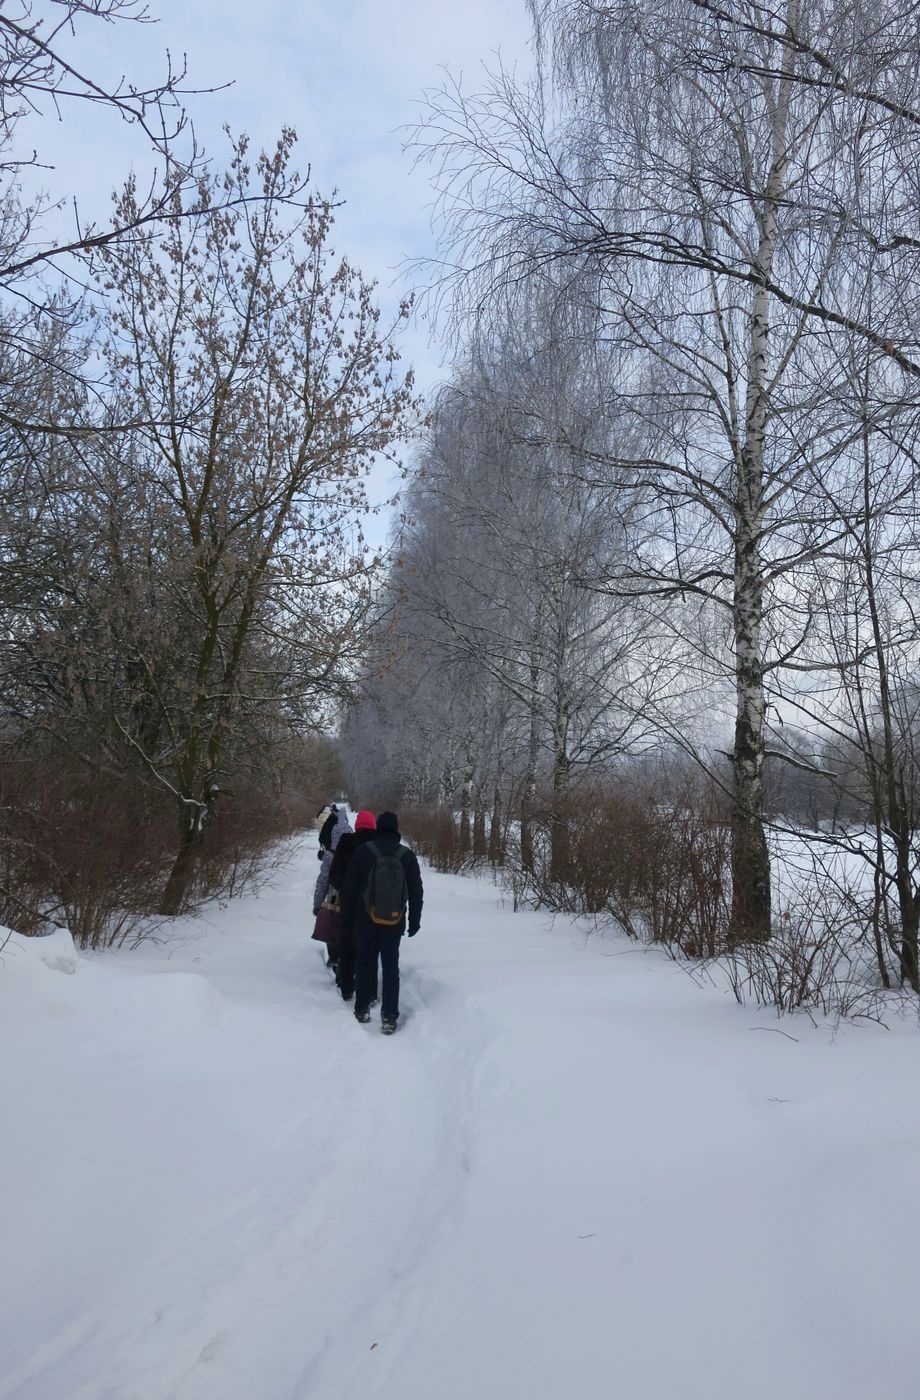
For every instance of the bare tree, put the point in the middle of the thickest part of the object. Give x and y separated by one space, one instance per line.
861 698
709 194
494 557
256 358
45 265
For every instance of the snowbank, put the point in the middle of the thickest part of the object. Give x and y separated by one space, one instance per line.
31 968
572 1172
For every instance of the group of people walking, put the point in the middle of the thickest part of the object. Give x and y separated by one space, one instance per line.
368 894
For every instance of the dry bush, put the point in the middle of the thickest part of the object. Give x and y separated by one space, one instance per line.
435 836
92 853
655 860
86 853
656 863
247 841
817 960
311 772
20 902
686 874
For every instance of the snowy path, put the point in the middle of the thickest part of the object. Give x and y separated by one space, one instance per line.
571 1173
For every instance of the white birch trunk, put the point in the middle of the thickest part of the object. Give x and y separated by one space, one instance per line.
466 798
558 828
496 833
479 828
751 896
528 798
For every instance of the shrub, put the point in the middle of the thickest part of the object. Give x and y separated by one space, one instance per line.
435 836
657 865
818 958
93 853
87 853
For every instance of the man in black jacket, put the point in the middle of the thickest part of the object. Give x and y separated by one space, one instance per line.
377 932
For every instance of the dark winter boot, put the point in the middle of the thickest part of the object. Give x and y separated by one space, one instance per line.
362 1016
388 1026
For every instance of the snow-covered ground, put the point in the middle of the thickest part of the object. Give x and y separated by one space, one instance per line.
573 1173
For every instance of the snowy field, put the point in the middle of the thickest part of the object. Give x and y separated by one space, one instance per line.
573 1173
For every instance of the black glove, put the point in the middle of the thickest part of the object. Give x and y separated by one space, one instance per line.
413 932
319 853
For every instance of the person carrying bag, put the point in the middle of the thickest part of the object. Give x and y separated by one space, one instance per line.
328 926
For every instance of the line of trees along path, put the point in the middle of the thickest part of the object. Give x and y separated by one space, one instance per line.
706 212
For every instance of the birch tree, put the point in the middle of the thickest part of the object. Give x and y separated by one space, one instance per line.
703 177
496 556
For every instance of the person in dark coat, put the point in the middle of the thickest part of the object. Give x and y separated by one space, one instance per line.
341 827
374 942
321 891
325 832
365 830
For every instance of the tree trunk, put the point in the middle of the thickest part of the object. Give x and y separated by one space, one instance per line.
559 832
496 835
466 797
750 858
528 804
191 832
559 835
447 784
889 781
910 926
529 792
558 829
878 904
479 829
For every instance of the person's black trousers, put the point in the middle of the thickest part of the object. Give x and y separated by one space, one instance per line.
370 944
345 973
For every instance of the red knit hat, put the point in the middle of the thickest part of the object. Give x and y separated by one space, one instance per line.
365 821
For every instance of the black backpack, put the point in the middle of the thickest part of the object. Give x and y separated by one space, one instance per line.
385 891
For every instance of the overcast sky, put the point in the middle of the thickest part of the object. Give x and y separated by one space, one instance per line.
348 74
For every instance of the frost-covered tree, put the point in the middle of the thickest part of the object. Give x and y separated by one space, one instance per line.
495 587
713 179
